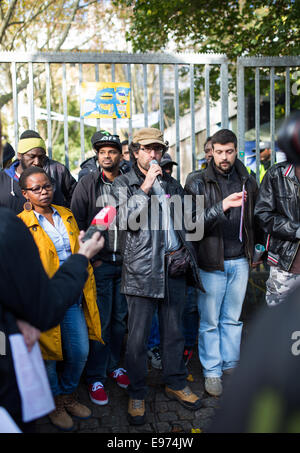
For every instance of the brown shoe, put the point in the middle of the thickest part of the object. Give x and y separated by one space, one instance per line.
186 397
136 412
59 416
75 408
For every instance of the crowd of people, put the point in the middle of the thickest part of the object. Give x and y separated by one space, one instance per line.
147 276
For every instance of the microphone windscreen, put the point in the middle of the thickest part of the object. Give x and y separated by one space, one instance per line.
105 217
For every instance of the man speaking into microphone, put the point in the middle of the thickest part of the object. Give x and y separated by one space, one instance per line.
156 263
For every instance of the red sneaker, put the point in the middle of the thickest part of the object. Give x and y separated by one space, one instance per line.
120 377
98 394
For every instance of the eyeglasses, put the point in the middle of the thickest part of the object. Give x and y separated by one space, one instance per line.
38 189
156 149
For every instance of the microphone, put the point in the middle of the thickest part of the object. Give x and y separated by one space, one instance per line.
158 177
101 222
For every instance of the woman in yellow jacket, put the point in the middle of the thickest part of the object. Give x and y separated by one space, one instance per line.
55 232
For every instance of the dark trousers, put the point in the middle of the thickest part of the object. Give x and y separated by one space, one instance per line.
170 312
104 358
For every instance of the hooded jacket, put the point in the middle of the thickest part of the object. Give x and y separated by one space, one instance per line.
62 180
50 341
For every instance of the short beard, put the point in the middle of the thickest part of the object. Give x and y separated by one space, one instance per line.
227 171
111 168
22 163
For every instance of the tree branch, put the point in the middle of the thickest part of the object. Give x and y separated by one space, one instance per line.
67 29
7 18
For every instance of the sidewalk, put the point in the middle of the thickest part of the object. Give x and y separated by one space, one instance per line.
163 414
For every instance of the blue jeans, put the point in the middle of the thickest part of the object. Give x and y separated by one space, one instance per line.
219 310
154 338
75 346
190 317
104 358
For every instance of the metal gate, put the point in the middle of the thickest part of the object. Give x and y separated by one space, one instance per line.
262 62
113 59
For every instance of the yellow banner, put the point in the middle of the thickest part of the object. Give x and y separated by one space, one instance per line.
105 99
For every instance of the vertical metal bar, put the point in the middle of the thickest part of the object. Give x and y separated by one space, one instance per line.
48 96
31 97
206 72
272 114
145 95
97 80
65 104
241 109
15 102
131 113
287 92
257 123
192 107
224 95
81 115
113 79
161 98
177 122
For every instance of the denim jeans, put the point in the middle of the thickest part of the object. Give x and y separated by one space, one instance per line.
170 310
219 310
75 346
154 338
104 358
190 317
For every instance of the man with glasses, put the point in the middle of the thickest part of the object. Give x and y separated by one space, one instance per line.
32 152
147 283
92 194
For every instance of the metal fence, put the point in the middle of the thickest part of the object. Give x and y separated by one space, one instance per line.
100 59
257 63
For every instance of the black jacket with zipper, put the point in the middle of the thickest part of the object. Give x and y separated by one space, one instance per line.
277 211
92 193
144 268
210 250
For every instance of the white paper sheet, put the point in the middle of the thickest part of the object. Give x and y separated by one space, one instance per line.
7 424
32 379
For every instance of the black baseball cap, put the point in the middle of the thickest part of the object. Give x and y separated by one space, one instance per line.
103 138
166 160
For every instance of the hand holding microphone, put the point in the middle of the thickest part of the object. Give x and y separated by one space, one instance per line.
154 172
91 243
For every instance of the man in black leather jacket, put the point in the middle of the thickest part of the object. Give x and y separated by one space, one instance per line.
224 255
278 213
146 281
92 193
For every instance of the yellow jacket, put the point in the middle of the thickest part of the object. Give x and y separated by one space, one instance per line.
50 341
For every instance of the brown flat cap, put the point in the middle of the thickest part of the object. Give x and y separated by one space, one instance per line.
149 135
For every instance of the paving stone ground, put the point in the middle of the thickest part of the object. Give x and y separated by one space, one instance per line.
163 415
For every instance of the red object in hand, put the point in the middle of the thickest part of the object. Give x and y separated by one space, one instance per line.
101 221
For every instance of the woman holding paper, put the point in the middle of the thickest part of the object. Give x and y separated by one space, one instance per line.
55 232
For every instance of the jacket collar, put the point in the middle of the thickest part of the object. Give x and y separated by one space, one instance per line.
31 219
210 173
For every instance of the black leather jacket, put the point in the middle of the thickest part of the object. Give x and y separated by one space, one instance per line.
143 250
210 250
278 212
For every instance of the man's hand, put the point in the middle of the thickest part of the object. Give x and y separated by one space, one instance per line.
151 176
30 333
92 246
234 200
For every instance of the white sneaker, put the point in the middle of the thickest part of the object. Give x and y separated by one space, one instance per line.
213 386
155 358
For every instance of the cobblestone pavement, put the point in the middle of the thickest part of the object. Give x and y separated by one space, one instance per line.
163 415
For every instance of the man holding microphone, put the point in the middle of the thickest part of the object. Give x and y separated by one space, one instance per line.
147 278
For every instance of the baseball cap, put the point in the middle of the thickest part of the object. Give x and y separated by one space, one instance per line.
103 138
166 159
149 135
263 146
